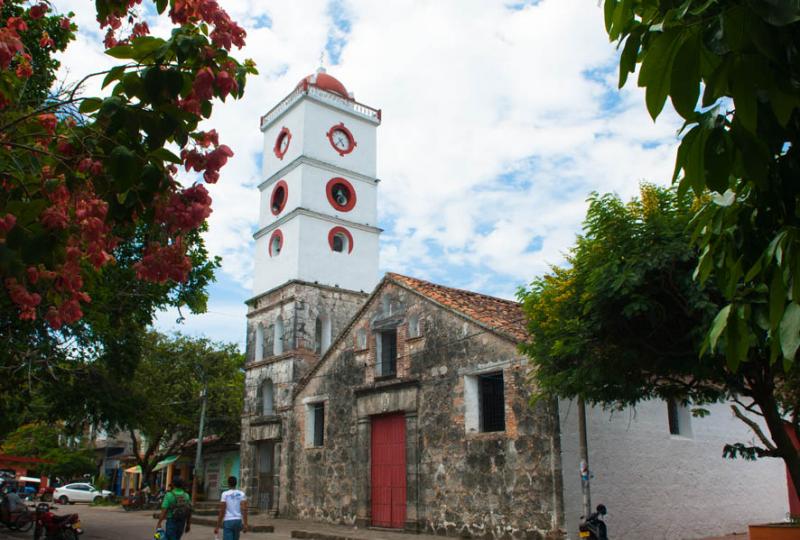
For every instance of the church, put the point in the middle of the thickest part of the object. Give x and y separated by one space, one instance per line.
397 403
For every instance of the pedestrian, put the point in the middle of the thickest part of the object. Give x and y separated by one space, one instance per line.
177 510
232 512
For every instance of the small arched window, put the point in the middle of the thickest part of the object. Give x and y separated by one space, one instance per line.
259 345
322 333
267 398
361 338
413 326
340 240
278 336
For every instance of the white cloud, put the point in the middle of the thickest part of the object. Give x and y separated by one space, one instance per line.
497 123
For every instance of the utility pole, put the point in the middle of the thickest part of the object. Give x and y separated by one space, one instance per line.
584 452
198 457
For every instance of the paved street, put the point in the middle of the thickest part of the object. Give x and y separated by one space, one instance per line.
112 524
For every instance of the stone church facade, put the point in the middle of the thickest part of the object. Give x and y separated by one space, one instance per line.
398 403
440 367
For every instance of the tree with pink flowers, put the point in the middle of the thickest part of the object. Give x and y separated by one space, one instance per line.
91 209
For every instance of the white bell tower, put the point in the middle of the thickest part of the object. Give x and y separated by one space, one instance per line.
318 203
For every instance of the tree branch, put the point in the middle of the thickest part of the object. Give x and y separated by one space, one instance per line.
755 428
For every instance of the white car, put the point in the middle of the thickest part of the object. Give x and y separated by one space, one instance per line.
79 492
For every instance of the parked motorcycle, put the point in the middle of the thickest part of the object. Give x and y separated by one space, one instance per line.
593 527
18 519
50 526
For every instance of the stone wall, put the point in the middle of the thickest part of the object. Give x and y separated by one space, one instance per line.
490 485
298 304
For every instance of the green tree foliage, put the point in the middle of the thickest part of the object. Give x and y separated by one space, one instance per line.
730 69
49 442
625 320
159 405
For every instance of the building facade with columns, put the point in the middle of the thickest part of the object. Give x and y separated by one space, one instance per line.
403 404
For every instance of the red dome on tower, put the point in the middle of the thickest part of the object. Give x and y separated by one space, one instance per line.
320 79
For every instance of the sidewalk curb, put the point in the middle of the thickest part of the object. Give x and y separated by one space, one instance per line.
208 522
321 536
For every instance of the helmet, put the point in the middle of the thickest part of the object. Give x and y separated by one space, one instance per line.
601 509
160 534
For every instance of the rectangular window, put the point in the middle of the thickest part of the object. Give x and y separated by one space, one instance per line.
679 418
387 353
318 418
492 402
672 417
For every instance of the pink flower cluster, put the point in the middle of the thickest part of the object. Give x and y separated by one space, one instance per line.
163 263
210 162
185 210
226 32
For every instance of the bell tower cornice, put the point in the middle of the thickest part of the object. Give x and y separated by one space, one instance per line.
325 98
330 167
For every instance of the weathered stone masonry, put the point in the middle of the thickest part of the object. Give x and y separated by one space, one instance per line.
491 485
299 305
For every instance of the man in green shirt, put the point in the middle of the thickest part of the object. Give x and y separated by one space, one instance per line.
177 510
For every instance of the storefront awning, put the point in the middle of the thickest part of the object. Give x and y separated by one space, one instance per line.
134 470
163 463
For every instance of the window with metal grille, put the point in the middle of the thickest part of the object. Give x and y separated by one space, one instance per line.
318 417
387 360
492 402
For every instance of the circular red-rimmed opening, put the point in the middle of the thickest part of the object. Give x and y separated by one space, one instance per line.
349 140
344 232
341 194
278 198
282 142
275 243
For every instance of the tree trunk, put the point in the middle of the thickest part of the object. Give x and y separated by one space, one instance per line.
784 446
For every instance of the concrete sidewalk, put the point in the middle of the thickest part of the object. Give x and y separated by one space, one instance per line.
286 529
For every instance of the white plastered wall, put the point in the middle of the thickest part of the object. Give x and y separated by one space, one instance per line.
357 271
658 485
276 270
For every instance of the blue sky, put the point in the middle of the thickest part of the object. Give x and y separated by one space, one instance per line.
499 118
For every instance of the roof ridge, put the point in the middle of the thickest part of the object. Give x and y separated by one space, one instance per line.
467 291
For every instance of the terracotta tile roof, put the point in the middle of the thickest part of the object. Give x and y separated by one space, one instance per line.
503 316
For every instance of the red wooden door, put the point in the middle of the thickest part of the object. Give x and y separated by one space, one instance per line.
389 471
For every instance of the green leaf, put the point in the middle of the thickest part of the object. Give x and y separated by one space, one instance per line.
114 74
161 5
608 13
685 79
656 70
718 326
123 165
790 331
90 105
718 160
165 155
736 340
743 92
694 165
777 12
777 299
120 51
145 47
630 53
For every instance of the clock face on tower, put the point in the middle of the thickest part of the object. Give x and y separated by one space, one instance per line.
341 139
282 142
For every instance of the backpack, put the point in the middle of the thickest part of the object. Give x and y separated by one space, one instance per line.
182 508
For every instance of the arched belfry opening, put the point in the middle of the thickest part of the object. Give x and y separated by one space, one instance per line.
278 336
322 332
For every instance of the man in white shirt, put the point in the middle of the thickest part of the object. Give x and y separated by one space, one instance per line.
232 512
